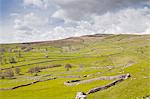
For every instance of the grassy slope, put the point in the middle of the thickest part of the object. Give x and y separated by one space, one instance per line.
114 50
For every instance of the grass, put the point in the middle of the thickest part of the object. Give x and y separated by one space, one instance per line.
91 57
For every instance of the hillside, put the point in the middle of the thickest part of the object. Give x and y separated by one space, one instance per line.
44 67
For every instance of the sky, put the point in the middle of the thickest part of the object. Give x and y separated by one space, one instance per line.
42 20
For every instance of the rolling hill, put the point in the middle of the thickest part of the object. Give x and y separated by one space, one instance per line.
42 68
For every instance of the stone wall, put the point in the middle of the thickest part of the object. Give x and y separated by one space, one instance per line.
122 78
70 83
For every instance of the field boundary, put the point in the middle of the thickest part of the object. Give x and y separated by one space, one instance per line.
23 85
76 82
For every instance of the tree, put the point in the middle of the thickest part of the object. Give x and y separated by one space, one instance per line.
8 73
12 60
34 70
1 74
46 49
30 70
1 58
37 69
17 70
2 50
19 54
68 66
5 61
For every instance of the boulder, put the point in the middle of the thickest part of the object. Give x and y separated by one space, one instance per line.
80 95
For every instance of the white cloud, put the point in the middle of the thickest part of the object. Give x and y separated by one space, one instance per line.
31 20
38 3
125 21
128 20
30 26
78 17
59 14
81 9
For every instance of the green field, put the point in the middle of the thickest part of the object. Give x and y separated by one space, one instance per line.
89 57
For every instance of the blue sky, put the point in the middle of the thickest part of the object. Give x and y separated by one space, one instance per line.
9 6
41 20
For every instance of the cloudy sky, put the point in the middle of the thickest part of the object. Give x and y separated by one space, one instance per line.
40 20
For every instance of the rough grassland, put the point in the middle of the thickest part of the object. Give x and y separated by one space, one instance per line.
90 57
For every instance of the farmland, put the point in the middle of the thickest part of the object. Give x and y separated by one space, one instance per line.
52 63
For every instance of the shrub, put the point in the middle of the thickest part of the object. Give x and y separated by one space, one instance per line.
1 58
4 61
17 70
37 68
34 70
1 75
19 54
2 50
68 66
36 74
7 73
12 60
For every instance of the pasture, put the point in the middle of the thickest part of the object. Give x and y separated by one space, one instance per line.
52 63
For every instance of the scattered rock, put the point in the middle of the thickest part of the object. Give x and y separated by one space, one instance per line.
80 95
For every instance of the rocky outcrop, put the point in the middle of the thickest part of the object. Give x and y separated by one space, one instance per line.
80 95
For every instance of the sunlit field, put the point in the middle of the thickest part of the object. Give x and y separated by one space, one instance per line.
53 63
